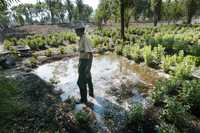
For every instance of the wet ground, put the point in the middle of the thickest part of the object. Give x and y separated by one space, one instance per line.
118 83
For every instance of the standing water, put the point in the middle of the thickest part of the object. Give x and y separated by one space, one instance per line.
118 83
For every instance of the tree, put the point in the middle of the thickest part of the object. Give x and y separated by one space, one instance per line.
70 9
156 8
172 10
122 8
55 8
191 7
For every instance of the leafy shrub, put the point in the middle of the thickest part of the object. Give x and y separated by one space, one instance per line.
48 52
168 62
32 62
126 51
96 41
70 36
10 104
136 53
190 94
163 89
136 114
62 50
148 56
167 128
184 69
158 51
176 113
83 118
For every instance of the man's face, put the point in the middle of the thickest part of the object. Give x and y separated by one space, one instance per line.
79 32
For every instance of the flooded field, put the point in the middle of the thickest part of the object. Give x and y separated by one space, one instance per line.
118 83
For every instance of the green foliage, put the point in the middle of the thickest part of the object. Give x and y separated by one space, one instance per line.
136 114
167 128
49 52
83 118
163 89
190 94
148 55
40 42
70 36
168 62
136 53
10 104
184 69
33 62
176 113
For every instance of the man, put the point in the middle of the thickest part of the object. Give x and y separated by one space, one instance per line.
85 64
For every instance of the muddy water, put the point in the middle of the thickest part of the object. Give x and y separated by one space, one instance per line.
118 83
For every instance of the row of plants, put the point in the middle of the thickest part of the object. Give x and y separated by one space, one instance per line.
34 60
41 42
178 65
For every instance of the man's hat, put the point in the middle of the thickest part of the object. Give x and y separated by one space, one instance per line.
79 26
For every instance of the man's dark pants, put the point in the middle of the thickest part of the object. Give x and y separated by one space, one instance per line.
85 78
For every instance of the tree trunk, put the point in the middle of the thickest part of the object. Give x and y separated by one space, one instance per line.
122 19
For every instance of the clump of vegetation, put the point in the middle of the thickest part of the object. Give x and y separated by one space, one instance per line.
10 104
49 52
167 128
190 94
175 112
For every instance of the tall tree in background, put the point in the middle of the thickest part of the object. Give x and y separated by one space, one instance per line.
79 10
156 8
122 9
70 9
191 7
55 8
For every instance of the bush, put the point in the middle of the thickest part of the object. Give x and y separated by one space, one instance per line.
62 50
184 69
96 41
49 52
135 53
148 56
136 114
70 36
83 118
176 113
163 89
168 62
158 51
190 95
10 104
167 128
32 62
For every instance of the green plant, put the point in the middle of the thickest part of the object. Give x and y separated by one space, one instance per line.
135 53
136 114
184 69
176 113
96 41
163 89
168 62
33 62
148 56
190 94
167 128
10 105
83 118
49 52
62 50
70 36
158 51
